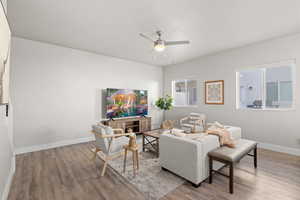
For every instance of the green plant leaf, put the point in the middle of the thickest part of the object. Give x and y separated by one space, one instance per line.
165 103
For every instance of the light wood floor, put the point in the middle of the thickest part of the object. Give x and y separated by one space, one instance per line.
68 173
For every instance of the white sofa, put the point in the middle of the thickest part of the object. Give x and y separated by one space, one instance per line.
187 157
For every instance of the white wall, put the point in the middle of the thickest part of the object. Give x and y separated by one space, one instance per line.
272 127
57 91
6 149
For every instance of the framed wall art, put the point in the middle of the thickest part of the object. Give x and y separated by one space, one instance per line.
214 92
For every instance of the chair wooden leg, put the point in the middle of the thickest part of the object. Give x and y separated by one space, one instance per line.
137 160
104 167
133 164
95 153
210 169
125 156
255 157
231 178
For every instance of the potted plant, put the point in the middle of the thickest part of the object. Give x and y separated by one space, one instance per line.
164 103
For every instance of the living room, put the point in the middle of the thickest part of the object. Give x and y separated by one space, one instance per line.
149 100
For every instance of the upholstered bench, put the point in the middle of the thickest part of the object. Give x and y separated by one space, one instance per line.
229 156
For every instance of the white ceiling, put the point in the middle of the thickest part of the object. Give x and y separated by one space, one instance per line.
112 27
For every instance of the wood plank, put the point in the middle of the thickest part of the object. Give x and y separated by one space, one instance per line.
68 173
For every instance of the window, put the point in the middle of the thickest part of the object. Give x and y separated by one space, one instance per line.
268 87
184 92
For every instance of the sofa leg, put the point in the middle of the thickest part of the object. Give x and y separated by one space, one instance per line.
210 170
196 185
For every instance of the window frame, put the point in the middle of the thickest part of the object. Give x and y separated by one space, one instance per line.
290 63
173 92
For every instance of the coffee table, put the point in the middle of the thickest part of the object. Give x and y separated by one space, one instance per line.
151 140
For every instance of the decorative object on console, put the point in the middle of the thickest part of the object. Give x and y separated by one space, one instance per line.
5 40
165 103
214 92
193 123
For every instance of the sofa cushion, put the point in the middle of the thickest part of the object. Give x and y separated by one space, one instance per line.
179 134
243 146
118 144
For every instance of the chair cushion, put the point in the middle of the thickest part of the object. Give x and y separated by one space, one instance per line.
118 144
97 129
102 129
243 146
103 143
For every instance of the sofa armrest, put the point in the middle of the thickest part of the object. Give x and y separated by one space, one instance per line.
187 157
181 156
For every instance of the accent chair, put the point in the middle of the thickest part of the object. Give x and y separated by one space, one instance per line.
109 143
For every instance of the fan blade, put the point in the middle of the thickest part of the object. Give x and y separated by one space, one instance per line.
168 43
146 37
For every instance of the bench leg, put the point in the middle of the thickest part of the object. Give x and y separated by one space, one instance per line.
255 157
210 169
231 178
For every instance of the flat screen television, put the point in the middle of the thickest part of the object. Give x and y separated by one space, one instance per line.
126 103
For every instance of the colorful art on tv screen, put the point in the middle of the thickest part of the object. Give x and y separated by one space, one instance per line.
126 103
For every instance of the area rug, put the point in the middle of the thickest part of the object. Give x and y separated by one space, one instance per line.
150 178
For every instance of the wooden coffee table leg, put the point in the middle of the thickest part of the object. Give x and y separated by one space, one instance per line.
157 142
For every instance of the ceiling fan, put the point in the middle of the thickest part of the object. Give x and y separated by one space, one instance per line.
160 44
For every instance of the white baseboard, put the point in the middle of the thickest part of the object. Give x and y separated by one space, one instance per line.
279 148
52 145
9 179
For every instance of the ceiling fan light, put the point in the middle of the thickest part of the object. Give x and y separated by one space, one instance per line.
159 47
